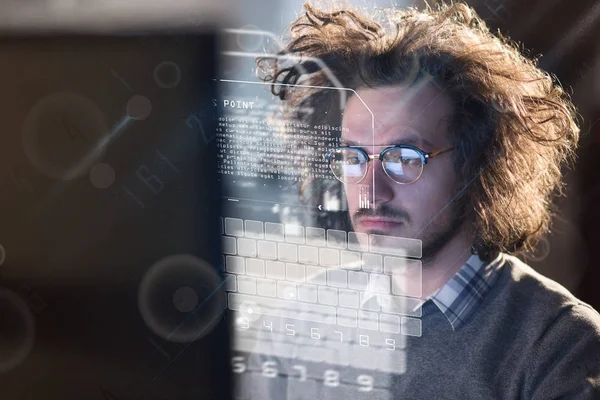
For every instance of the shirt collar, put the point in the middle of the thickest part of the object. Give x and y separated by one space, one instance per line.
459 298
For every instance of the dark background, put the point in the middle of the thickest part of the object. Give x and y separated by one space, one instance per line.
565 34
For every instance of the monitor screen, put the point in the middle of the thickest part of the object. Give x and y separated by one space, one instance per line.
109 271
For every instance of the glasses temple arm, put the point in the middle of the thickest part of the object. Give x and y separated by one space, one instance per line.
437 153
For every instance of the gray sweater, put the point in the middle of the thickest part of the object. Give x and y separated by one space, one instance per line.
529 339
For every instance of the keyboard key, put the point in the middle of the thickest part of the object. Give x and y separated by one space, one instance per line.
266 287
267 250
253 229
275 270
411 326
348 298
308 255
246 284
255 267
247 247
287 290
369 301
274 231
229 282
401 305
287 252
350 260
328 296
286 309
395 246
372 263
389 323
235 265
406 276
294 234
379 283
307 293
358 280
368 320
401 266
228 245
358 241
336 239
406 287
315 236
347 318
295 272
337 278
329 257
234 227
316 275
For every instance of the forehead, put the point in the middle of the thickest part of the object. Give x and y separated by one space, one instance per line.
413 115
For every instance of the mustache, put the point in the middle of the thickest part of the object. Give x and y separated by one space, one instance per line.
384 211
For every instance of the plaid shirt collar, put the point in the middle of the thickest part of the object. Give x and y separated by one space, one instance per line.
459 298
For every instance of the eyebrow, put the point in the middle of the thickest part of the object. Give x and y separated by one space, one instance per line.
411 140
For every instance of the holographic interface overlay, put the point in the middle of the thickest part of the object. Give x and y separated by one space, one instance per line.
310 301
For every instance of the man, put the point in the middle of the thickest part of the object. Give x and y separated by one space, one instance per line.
452 137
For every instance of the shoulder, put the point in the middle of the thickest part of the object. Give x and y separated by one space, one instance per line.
538 294
547 312
527 306
560 335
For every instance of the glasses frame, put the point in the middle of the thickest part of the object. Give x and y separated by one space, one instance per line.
423 154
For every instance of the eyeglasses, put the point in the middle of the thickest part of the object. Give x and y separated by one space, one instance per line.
402 163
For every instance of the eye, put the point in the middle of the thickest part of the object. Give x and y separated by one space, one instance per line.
415 162
352 160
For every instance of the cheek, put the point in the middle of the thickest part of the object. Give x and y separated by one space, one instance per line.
428 195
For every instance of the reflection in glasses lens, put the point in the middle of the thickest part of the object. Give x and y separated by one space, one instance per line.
402 165
348 165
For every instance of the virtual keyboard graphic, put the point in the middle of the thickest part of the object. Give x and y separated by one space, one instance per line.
319 295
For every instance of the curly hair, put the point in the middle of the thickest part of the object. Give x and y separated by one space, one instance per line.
514 126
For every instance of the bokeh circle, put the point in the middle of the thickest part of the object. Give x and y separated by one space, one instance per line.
185 299
541 251
250 310
17 330
250 42
139 107
167 75
180 298
63 134
102 176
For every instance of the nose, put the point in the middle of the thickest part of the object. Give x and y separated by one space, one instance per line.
376 188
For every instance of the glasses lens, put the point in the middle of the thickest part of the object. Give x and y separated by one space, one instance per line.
348 165
403 165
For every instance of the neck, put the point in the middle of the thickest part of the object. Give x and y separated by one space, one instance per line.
446 262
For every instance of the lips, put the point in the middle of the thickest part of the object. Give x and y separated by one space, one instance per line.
379 223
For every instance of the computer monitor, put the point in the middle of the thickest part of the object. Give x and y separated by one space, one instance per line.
109 242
